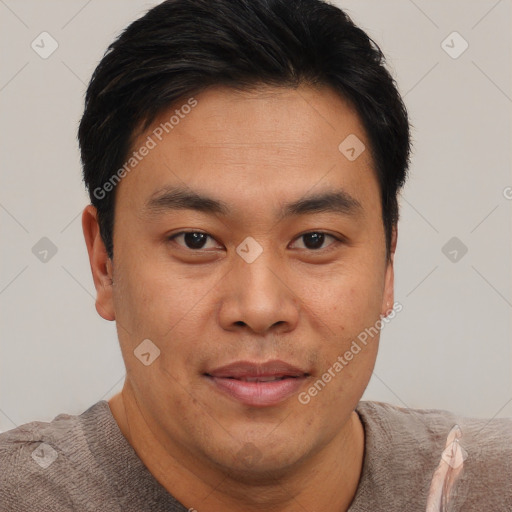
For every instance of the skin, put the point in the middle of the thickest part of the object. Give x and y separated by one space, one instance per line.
254 150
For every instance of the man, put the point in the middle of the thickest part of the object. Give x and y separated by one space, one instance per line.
243 159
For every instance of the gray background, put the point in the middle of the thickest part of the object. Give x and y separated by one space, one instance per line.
449 348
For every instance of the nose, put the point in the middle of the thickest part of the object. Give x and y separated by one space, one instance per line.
258 296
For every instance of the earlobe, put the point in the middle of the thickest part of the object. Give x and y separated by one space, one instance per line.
101 264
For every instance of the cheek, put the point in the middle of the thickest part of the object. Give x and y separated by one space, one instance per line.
348 298
149 300
167 309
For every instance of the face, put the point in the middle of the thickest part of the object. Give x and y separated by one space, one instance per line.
284 261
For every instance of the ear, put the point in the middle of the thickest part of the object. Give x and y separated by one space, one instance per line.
389 279
101 264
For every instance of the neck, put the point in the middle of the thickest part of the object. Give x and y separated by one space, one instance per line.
326 480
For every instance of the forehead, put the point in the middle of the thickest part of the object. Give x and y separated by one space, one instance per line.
304 117
261 142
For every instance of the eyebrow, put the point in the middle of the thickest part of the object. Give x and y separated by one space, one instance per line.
180 198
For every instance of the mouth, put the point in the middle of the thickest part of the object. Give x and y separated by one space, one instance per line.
270 378
258 384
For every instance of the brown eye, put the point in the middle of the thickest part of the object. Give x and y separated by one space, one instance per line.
194 240
314 240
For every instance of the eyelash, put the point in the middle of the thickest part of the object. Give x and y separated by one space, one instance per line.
337 240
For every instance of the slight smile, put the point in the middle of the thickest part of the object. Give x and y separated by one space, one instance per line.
258 384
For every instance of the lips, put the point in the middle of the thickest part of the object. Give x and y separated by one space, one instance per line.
258 384
244 370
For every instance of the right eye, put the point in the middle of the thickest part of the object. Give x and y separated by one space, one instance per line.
193 240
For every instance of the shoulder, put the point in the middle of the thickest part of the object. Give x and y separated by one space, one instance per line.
38 463
420 439
491 436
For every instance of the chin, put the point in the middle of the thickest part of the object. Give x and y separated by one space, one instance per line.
254 465
261 473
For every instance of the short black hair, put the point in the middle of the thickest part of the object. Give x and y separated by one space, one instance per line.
181 47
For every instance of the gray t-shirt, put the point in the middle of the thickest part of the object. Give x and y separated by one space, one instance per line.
415 460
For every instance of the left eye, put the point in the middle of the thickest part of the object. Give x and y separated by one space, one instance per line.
315 239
